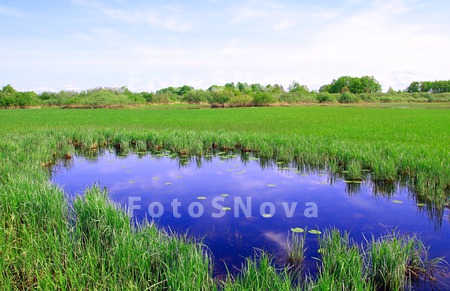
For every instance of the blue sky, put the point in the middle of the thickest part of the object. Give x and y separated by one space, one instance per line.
147 45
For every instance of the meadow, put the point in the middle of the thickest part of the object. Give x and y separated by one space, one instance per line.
45 244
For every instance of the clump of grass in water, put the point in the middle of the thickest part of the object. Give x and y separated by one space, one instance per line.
296 248
394 262
259 273
354 171
342 266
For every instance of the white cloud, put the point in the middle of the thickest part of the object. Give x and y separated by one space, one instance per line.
154 17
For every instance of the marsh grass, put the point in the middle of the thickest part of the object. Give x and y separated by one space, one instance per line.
259 273
45 243
395 262
342 265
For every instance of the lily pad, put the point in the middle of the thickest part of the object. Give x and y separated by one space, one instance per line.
314 231
224 195
280 163
253 159
421 204
297 230
131 182
155 178
397 201
226 208
266 215
353 181
168 183
201 198
271 185
179 177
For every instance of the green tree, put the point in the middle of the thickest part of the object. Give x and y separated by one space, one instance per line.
296 87
355 85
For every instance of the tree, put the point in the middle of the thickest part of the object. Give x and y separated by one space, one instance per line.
414 87
9 89
355 85
296 87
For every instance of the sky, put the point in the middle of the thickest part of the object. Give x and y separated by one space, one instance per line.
148 45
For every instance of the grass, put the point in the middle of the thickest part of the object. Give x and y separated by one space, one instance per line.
390 142
391 262
47 244
341 264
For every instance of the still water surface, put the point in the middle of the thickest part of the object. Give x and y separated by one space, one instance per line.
264 201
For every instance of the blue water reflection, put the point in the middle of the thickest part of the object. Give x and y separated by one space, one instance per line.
159 180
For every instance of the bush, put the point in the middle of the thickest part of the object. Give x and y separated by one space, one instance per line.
263 98
348 97
219 98
196 96
326 97
241 100
297 97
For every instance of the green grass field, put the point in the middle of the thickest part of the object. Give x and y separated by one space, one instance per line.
46 245
385 125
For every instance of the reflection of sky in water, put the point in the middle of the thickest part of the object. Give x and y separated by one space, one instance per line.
231 238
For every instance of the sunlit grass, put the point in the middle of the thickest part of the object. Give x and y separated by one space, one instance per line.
47 244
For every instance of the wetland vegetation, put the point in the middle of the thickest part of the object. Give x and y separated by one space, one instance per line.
48 244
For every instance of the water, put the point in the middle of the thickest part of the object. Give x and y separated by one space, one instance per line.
185 195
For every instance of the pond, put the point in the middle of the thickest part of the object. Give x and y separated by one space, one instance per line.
238 204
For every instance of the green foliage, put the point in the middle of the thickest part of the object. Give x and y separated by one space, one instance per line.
219 98
296 87
263 98
9 97
355 85
429 87
196 96
348 97
296 97
342 265
324 97
241 100
47 244
259 274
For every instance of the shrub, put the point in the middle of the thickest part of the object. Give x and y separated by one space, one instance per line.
263 98
326 98
348 97
219 98
196 96
241 100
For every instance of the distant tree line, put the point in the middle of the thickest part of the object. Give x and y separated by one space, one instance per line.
345 89
429 87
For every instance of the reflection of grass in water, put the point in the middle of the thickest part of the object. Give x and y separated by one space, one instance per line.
34 215
391 262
